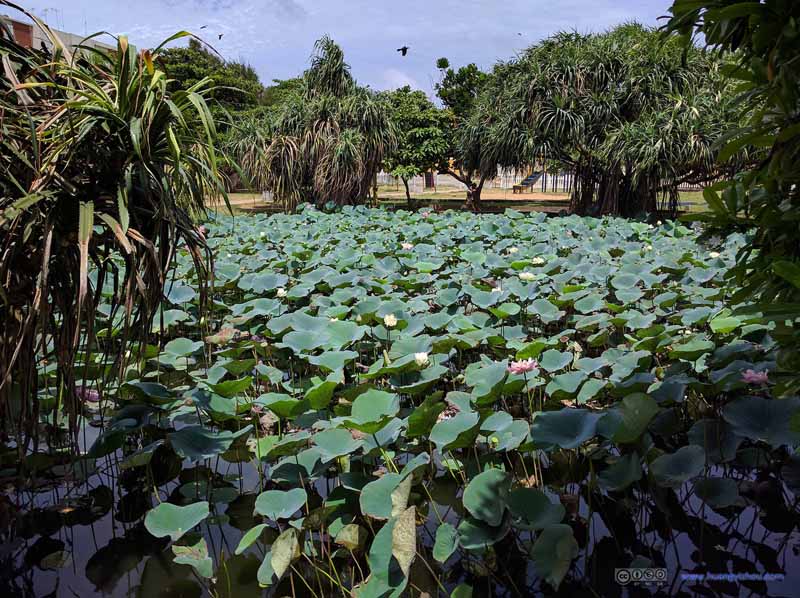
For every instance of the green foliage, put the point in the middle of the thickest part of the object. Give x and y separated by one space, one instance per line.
174 521
486 495
237 87
307 418
631 114
281 92
421 134
465 158
327 142
760 41
459 89
277 504
101 164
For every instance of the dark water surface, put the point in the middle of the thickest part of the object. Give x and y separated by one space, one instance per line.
86 538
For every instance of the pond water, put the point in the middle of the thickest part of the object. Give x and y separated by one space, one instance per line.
421 405
88 538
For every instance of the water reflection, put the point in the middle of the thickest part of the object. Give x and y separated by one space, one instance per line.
86 537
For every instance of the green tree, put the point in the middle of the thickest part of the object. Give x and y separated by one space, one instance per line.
100 165
762 42
237 86
631 113
421 136
327 143
467 162
281 92
459 88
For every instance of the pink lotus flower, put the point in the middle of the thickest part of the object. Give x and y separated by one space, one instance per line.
357 435
407 246
202 230
426 214
523 367
449 412
754 377
89 395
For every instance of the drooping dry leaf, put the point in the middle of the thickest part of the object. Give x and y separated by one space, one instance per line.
404 539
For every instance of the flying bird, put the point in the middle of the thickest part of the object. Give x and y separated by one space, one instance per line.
220 36
204 26
403 50
519 34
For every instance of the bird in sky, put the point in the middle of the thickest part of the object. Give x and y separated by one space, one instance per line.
204 26
403 50
519 34
220 36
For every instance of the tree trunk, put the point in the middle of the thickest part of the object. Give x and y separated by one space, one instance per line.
583 188
408 193
476 200
476 195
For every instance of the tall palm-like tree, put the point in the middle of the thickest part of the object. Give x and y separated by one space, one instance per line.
327 144
633 114
102 171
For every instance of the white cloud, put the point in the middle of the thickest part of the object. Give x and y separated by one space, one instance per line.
277 36
394 78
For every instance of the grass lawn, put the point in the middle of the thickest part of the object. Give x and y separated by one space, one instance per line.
693 201
448 198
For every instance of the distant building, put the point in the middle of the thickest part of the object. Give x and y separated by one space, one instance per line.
30 35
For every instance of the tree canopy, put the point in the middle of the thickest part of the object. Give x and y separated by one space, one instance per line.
631 113
422 141
281 92
459 88
761 41
327 142
466 159
237 86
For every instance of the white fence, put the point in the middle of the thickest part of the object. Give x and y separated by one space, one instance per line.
560 182
506 179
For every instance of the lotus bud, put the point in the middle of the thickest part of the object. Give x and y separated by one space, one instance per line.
751 376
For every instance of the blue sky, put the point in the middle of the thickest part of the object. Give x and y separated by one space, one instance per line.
277 36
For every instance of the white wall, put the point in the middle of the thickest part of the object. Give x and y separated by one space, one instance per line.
71 40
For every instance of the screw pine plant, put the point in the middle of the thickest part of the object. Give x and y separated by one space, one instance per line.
102 172
760 41
630 113
327 143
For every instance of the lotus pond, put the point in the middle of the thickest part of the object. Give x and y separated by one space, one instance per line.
387 404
